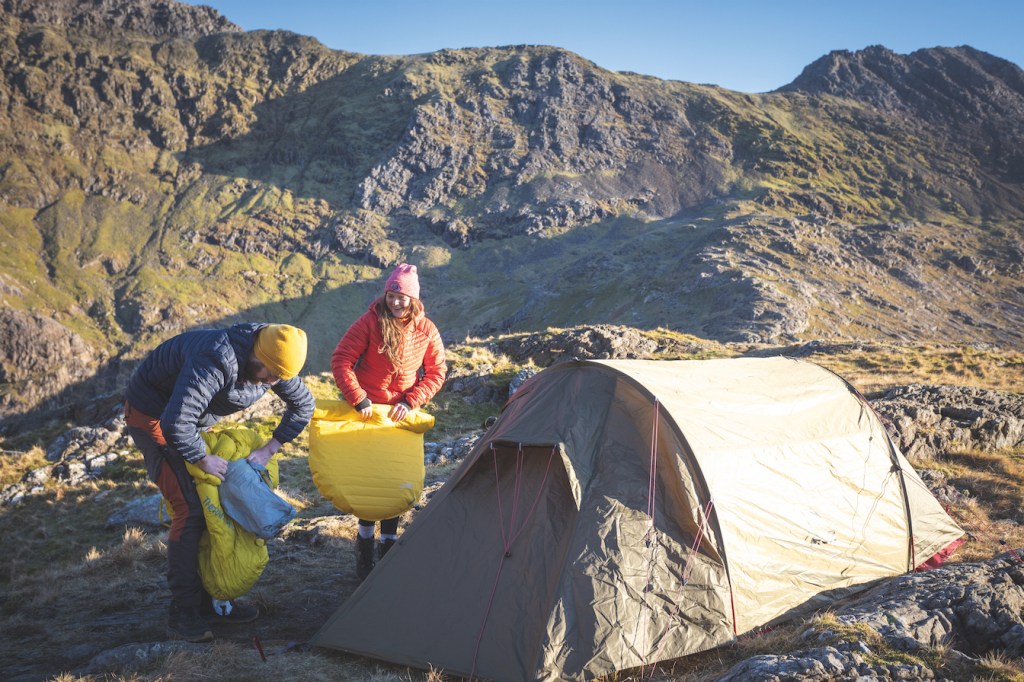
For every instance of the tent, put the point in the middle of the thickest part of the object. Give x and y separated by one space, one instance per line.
621 513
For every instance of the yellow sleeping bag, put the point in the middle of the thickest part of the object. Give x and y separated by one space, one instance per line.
370 468
231 559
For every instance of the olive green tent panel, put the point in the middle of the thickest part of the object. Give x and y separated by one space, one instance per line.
622 513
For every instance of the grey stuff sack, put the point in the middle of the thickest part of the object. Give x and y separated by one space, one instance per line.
246 496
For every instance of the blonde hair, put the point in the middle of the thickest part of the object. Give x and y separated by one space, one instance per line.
392 329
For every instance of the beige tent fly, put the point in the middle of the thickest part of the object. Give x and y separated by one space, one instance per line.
622 513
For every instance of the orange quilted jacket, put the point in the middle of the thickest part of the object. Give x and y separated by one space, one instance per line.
362 370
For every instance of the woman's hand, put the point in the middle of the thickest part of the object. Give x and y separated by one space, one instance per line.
364 408
398 412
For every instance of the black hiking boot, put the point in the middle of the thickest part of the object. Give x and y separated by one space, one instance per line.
364 557
184 623
383 546
228 612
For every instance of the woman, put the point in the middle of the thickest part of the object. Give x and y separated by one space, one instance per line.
391 355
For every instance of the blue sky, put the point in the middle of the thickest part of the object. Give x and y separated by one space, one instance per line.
745 45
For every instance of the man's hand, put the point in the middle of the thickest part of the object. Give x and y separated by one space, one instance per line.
213 465
262 454
398 412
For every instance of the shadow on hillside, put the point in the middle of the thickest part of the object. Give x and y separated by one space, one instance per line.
318 143
614 273
98 398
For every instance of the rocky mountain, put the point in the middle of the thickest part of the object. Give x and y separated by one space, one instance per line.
162 18
962 87
160 169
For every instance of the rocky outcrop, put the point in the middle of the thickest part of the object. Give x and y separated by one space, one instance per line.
974 609
77 455
39 358
152 17
37 349
929 420
588 342
548 140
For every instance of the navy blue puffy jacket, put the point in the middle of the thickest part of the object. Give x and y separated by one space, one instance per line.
192 380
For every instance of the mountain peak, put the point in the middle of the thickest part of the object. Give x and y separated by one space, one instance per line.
937 84
158 18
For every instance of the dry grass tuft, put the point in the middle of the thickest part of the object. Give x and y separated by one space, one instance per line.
999 667
877 367
993 485
15 464
137 550
838 631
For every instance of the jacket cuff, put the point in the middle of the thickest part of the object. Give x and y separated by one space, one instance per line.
363 404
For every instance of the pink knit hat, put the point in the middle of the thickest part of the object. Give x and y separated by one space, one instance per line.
403 280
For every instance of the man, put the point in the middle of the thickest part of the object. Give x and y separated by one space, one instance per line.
182 387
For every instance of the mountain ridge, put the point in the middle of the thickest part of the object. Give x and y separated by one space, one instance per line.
157 18
932 83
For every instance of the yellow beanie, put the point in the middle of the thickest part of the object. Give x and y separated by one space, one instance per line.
282 348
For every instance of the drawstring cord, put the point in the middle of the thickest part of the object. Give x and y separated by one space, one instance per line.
509 538
649 537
